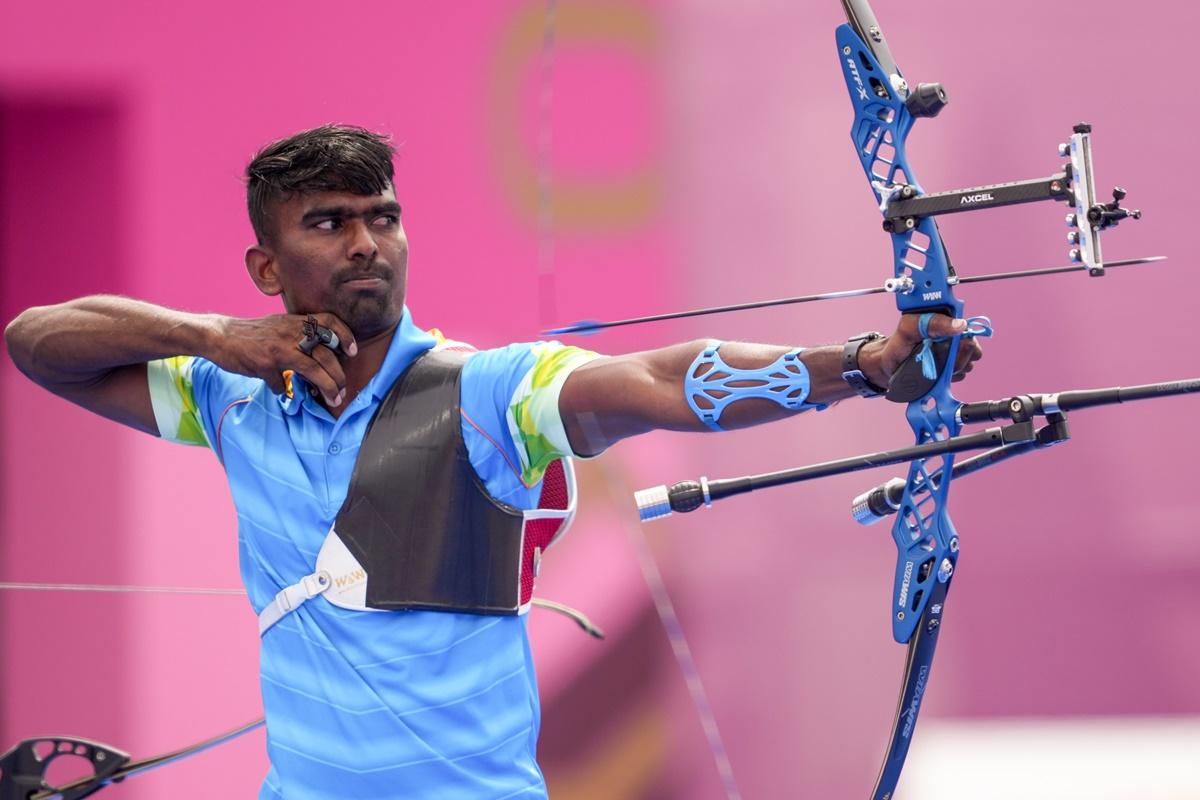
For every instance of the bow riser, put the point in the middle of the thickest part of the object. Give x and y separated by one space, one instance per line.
924 535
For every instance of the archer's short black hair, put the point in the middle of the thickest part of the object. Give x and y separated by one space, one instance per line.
329 158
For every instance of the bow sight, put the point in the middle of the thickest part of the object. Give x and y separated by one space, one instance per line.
903 206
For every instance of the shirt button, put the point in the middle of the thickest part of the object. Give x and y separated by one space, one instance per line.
335 448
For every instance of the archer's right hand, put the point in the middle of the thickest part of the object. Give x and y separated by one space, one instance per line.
267 347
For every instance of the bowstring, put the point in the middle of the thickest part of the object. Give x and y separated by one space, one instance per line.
578 617
680 648
547 309
117 588
546 278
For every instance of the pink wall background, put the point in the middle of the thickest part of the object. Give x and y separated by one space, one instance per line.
699 155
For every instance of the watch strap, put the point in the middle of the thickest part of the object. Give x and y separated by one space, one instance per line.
852 373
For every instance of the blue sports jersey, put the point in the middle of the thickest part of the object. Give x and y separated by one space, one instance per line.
409 704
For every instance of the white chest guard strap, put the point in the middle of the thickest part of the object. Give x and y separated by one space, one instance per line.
341 579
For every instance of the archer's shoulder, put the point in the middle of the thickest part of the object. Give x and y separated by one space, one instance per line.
445 343
537 362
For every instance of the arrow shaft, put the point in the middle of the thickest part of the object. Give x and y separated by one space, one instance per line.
584 328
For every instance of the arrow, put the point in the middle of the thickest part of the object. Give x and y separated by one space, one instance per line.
588 327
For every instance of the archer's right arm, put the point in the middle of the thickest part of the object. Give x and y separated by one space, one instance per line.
93 351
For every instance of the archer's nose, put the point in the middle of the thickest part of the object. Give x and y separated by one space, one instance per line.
361 245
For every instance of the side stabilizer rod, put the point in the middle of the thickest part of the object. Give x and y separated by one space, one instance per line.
884 500
661 501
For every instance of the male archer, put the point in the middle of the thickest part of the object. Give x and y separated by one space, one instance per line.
351 436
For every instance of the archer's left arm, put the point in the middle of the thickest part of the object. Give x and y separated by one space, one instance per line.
613 398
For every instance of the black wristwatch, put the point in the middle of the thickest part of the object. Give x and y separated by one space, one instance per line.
851 373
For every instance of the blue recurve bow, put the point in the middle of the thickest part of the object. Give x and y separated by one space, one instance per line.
885 108
923 282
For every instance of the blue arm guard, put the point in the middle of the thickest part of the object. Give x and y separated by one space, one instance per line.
708 386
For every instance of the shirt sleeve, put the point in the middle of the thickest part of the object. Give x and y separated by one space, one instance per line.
534 420
511 419
173 396
188 395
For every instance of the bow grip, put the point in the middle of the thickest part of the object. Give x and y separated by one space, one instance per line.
908 382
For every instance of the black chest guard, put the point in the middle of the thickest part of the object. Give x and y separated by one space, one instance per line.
416 517
418 529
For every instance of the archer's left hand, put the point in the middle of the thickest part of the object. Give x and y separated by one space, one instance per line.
880 359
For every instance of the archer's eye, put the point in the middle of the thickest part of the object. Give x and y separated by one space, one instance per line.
327 225
387 220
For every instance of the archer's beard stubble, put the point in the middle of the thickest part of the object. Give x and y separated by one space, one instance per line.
366 312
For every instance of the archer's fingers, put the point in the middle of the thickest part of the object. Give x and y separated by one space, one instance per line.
346 341
329 362
316 375
942 325
279 382
969 350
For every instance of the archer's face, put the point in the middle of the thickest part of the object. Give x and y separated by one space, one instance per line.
343 253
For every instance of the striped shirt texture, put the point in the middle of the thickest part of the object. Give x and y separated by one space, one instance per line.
407 704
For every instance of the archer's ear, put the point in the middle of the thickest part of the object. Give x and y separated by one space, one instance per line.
261 264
